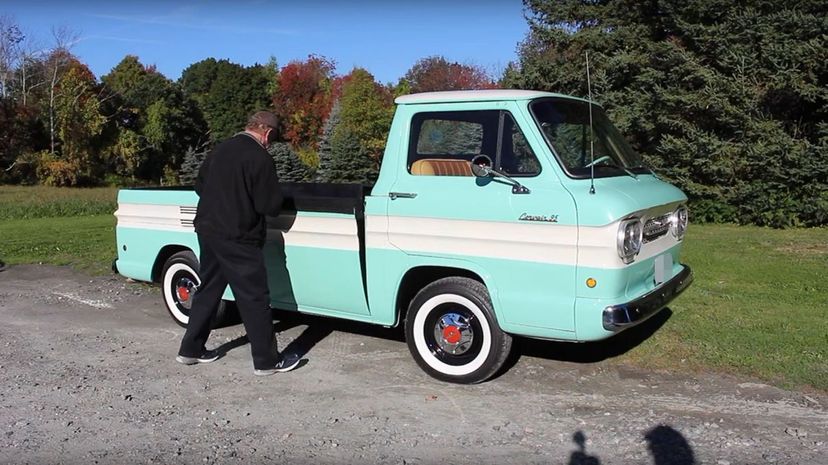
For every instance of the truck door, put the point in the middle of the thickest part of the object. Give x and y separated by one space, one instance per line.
525 241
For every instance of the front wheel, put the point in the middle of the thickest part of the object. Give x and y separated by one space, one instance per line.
452 333
179 283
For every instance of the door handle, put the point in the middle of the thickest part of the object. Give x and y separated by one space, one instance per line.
401 195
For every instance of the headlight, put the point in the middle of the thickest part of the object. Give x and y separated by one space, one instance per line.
678 222
629 239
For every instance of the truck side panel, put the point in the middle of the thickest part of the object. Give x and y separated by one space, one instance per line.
313 258
314 263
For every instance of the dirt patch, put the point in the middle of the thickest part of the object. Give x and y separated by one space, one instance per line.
89 377
804 249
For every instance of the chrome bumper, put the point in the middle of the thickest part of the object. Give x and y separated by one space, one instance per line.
618 317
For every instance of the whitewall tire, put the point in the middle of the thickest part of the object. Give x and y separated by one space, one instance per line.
453 334
179 283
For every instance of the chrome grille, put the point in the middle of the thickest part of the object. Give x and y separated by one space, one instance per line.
656 227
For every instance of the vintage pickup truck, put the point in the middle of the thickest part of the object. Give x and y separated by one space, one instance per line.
495 213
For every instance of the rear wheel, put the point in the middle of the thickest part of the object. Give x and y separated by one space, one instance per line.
179 284
452 333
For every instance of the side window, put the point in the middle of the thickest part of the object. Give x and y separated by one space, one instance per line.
450 137
444 143
516 156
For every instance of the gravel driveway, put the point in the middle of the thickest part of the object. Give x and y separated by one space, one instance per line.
88 376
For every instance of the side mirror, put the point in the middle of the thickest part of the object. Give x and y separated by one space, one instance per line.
481 166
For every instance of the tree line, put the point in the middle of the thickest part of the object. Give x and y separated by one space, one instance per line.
725 99
61 126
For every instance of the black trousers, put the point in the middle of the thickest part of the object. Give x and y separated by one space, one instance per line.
224 262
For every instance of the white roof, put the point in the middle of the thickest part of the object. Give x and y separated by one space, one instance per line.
473 96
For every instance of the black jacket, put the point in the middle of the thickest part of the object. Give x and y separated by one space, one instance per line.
237 186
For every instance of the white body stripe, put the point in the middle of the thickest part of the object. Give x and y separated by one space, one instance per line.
376 232
530 242
315 231
149 216
301 231
593 247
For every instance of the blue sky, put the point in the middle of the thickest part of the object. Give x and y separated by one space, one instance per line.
385 37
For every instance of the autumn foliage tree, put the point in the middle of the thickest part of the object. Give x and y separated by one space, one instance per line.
78 123
303 102
358 140
435 73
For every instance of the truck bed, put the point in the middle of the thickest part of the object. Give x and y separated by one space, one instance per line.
318 239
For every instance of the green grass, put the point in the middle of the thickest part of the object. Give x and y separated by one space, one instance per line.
58 226
24 202
85 242
758 306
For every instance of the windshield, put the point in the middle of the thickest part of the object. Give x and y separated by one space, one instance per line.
565 125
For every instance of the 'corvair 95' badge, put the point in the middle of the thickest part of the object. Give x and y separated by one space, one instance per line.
545 218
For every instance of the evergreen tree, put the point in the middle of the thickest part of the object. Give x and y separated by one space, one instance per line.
726 99
350 161
189 167
288 165
325 149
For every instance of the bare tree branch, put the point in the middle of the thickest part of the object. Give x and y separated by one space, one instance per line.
10 39
64 39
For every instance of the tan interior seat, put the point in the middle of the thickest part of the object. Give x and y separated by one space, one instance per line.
441 167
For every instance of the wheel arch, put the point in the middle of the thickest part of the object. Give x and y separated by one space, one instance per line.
419 276
163 255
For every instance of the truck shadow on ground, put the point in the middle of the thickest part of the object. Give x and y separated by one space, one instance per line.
318 328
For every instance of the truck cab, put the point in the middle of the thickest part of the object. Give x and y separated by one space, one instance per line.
495 213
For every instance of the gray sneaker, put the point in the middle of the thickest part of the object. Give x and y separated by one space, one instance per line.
283 365
206 357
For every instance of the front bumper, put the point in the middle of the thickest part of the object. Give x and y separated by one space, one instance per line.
621 316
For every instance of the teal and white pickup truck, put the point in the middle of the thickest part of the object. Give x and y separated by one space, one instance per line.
495 214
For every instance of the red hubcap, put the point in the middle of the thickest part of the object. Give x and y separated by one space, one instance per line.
183 294
451 334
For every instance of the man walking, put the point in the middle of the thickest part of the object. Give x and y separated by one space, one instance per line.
237 187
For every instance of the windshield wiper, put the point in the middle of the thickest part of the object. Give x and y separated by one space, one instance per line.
608 161
642 165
